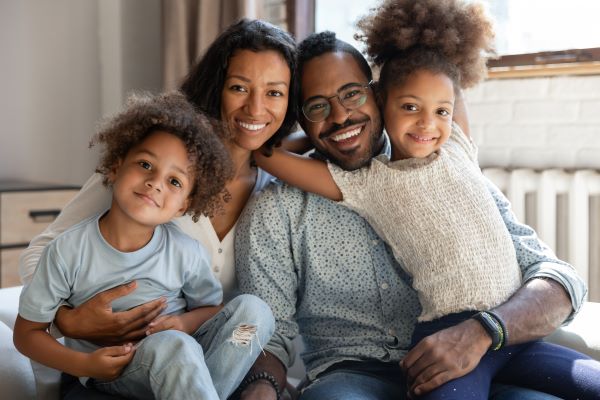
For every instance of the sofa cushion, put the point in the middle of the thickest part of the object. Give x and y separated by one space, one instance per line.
582 333
16 376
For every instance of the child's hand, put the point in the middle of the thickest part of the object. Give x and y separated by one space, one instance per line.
166 322
107 363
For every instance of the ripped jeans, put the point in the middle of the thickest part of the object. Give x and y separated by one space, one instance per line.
208 365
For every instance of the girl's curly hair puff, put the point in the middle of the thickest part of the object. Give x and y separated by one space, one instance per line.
457 33
172 113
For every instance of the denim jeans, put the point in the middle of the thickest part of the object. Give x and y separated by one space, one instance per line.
345 384
210 364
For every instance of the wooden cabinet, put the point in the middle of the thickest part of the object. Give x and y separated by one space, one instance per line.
26 209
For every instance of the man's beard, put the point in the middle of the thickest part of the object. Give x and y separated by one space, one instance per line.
354 161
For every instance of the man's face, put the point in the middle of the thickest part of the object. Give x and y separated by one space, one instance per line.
349 138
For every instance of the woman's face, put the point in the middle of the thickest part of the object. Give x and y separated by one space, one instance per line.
254 99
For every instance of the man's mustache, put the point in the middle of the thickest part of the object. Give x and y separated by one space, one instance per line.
337 127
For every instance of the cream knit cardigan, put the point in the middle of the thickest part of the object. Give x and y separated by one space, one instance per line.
442 224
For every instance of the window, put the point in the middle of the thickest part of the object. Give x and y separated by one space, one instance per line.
534 37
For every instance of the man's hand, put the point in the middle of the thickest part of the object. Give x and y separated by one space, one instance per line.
107 363
445 355
259 390
95 321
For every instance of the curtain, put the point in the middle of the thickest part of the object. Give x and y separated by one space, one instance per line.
188 28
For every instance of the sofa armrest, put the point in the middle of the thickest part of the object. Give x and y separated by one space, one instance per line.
582 333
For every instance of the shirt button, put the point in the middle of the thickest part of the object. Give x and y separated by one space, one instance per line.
374 242
384 286
216 268
392 332
220 250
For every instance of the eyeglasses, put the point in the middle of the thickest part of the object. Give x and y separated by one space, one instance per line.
350 96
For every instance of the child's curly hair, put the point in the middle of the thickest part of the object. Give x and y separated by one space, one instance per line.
454 37
172 113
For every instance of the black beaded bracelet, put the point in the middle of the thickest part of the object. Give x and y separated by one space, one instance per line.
258 376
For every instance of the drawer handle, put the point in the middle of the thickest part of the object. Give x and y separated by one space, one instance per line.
43 215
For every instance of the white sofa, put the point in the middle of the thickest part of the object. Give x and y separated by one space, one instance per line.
19 381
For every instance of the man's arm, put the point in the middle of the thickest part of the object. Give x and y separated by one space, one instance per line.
551 294
265 268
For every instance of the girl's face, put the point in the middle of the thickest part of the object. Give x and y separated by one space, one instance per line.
418 114
254 99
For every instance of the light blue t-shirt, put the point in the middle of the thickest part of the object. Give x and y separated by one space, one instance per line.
79 263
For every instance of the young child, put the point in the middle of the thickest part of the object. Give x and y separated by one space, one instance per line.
430 202
162 160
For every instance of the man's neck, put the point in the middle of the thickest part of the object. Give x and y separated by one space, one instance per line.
122 233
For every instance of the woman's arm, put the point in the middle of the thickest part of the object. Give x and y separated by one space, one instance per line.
92 199
303 172
31 339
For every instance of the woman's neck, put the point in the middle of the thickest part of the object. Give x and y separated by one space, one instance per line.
241 161
122 233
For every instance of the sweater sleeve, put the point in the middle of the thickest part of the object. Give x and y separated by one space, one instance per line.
92 199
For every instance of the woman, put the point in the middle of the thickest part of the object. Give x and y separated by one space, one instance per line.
244 79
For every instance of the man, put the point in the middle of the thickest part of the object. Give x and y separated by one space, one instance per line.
329 277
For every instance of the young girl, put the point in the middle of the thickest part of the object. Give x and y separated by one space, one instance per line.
430 201
163 160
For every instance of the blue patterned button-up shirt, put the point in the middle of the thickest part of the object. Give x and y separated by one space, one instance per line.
329 277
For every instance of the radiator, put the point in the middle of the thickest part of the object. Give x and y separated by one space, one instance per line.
564 208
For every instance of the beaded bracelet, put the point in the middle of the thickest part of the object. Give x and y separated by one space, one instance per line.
258 376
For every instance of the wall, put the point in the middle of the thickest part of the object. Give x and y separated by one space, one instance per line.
537 122
64 64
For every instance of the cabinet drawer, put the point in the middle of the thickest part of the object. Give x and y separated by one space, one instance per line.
9 267
26 214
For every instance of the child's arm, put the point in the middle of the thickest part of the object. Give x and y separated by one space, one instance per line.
297 142
32 339
303 172
188 322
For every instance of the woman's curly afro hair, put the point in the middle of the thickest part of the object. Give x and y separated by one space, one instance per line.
455 37
145 114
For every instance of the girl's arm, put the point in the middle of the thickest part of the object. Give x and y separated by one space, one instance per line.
305 173
188 322
31 339
297 142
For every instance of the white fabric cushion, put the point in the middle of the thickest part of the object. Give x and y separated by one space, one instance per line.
582 333
16 376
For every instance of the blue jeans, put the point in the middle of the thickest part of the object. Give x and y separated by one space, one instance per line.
210 364
536 365
352 385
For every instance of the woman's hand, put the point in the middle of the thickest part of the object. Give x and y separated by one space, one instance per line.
107 363
95 321
445 355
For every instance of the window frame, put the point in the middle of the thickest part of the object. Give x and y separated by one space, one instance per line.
301 23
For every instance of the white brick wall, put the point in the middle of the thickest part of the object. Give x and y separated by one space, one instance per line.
537 122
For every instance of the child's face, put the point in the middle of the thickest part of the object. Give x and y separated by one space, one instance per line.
152 184
418 114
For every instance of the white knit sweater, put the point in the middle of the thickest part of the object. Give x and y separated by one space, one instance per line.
442 225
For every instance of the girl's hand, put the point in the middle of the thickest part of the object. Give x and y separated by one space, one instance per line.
107 363
166 322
